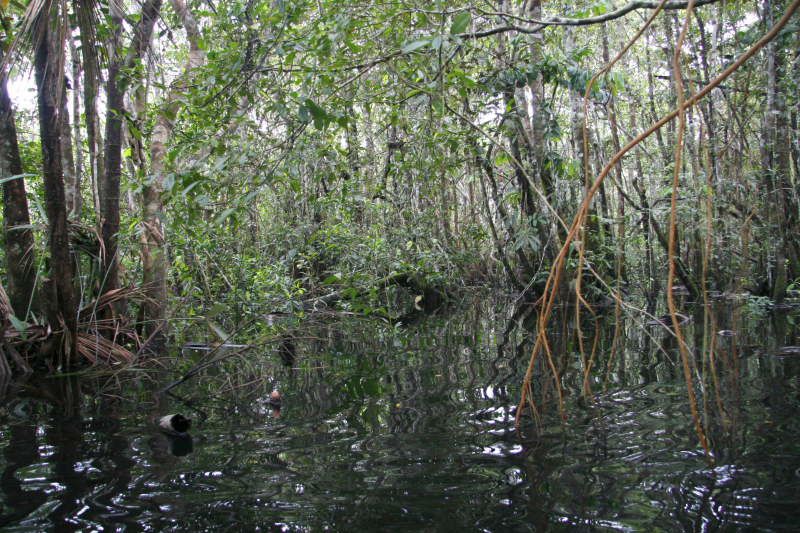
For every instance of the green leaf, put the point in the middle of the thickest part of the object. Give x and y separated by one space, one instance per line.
460 23
216 310
135 132
219 163
318 114
501 158
303 114
188 189
415 45
218 331
601 8
19 325
224 215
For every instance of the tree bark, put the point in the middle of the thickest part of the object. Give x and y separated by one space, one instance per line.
75 200
16 219
67 158
537 144
776 159
91 82
49 69
115 94
616 145
109 181
154 244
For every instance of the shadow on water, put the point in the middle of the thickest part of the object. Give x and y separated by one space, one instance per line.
411 427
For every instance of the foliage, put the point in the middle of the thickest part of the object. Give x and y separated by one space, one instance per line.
357 152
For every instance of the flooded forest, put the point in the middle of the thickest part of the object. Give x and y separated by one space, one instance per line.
489 265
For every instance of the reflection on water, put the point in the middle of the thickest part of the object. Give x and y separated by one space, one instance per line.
412 428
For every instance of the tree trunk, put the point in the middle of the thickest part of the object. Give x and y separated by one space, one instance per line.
16 220
115 95
776 158
75 200
536 141
91 80
48 65
154 245
67 158
109 181
616 145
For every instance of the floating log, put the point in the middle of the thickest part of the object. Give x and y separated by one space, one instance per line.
175 424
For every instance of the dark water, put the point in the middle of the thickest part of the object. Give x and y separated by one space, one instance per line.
412 428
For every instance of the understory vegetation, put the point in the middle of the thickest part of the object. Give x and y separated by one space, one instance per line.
204 171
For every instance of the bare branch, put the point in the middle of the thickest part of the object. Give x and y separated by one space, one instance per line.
537 25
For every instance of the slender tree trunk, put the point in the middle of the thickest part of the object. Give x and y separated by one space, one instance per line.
91 82
154 243
109 181
67 157
354 161
515 135
75 202
616 145
115 95
486 164
651 100
776 158
16 220
49 69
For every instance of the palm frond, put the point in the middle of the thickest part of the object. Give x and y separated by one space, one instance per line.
97 349
89 17
28 35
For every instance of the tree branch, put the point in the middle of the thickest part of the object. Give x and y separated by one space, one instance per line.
538 25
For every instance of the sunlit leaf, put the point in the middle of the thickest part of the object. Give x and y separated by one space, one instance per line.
218 331
19 325
460 23
318 114
222 217
415 45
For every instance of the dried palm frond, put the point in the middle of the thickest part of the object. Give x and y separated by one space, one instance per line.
111 341
110 298
88 14
96 348
86 238
33 334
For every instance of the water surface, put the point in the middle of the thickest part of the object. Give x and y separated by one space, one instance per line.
411 428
